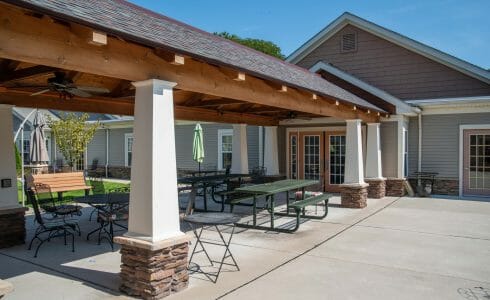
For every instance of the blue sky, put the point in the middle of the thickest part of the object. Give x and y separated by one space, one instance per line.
458 27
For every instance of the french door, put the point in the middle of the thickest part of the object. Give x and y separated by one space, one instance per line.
317 155
476 162
335 160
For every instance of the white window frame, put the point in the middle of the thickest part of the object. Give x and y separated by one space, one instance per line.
221 133
127 136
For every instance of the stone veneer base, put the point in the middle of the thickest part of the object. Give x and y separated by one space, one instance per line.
395 187
153 270
376 188
12 227
354 195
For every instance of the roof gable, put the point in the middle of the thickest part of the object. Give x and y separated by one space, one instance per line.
396 38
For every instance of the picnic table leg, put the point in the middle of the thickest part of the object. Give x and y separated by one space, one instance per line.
254 210
287 201
204 190
272 210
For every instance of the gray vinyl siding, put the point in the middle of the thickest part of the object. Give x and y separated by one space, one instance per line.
389 147
394 69
440 142
116 146
253 146
183 144
97 148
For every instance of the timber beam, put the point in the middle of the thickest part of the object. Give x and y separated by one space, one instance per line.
37 41
126 107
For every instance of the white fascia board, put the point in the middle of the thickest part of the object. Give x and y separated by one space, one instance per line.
396 38
401 106
460 105
457 100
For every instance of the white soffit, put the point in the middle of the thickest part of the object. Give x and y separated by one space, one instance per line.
396 38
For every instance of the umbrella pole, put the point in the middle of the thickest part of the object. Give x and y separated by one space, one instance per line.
199 169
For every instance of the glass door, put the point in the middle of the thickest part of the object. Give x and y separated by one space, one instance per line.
476 162
335 160
311 157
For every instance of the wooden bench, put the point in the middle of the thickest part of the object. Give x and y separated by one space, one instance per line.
57 183
300 205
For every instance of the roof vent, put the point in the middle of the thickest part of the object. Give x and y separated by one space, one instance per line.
348 42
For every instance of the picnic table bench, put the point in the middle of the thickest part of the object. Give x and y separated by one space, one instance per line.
269 190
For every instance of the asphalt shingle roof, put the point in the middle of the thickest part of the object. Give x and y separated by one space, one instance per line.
140 25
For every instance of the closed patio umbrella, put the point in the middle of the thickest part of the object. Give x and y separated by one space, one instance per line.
39 153
198 146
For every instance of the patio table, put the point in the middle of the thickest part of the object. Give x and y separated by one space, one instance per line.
270 190
205 182
105 203
214 221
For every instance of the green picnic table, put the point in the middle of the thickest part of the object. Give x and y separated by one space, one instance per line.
269 190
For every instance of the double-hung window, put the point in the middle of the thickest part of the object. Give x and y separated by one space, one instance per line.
225 145
128 149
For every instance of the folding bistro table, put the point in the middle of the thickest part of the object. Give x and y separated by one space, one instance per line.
207 221
269 190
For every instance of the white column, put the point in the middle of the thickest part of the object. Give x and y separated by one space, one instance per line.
8 195
153 207
271 160
373 151
354 171
239 156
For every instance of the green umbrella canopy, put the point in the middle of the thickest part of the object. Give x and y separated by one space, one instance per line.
198 145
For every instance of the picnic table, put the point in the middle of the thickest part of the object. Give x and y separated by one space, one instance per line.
269 190
204 182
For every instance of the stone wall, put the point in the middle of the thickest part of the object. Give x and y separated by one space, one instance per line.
354 196
12 227
395 187
153 274
376 188
441 186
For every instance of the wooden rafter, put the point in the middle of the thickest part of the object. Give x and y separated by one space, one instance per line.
23 37
124 107
25 73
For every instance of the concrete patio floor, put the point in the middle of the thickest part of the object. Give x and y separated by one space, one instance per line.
396 248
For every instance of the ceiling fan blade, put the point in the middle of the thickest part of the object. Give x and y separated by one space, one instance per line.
78 92
94 89
58 85
40 92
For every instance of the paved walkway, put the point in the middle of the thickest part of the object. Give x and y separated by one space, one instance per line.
407 248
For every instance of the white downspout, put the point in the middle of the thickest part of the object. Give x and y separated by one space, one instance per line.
419 162
107 153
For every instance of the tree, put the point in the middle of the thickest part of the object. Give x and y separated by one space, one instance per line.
72 135
18 160
264 46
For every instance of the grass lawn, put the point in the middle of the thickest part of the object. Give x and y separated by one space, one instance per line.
99 187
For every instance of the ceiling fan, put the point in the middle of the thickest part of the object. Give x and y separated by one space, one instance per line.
67 89
292 115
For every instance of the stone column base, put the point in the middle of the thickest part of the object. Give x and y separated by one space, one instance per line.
395 187
12 227
377 187
153 270
354 195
